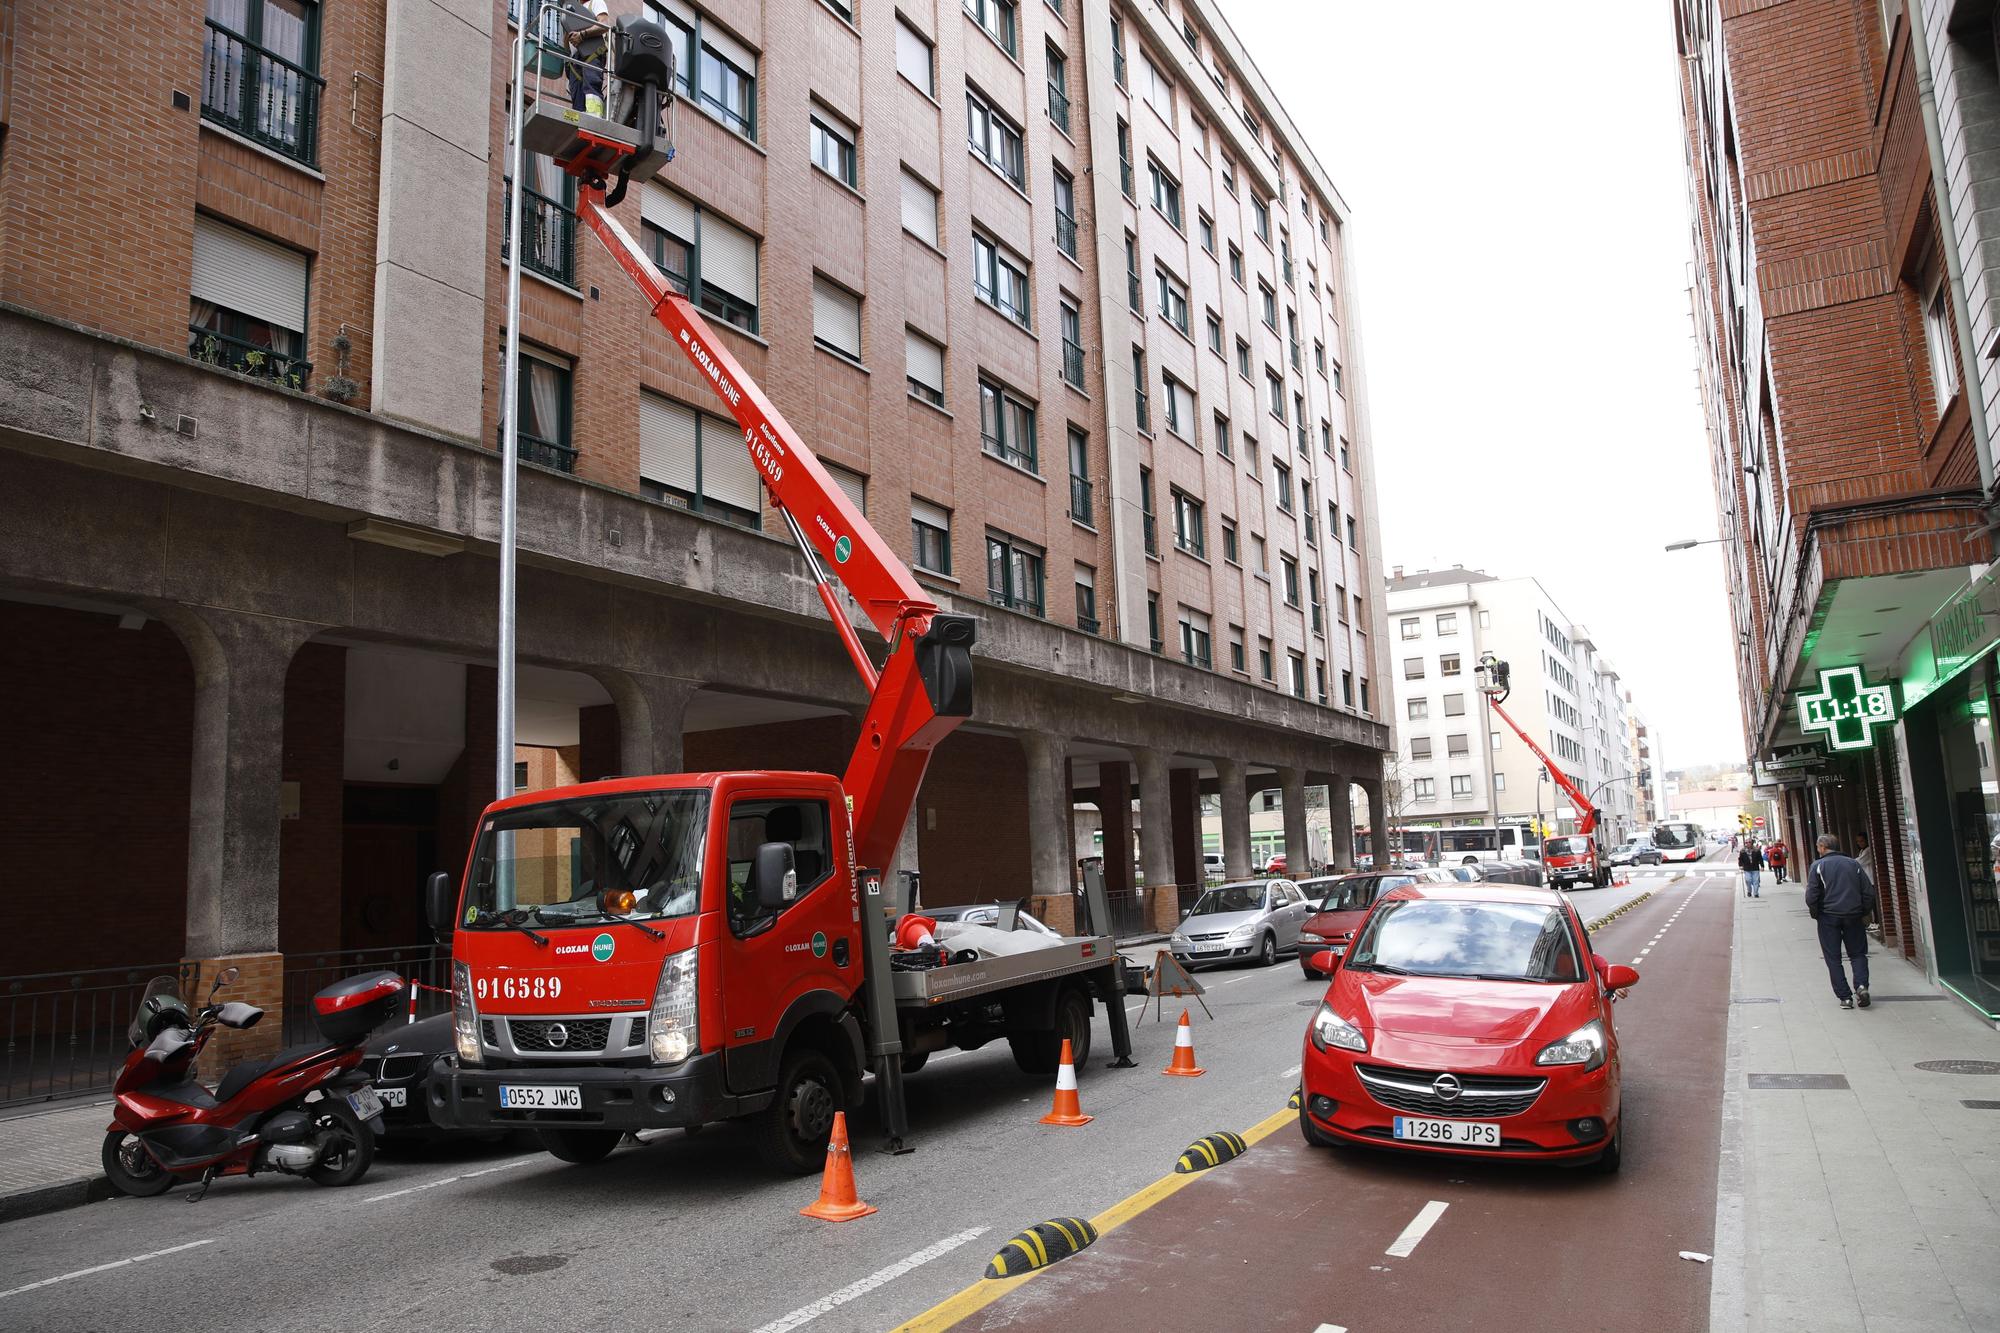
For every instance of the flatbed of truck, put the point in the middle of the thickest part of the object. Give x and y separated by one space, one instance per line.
963 981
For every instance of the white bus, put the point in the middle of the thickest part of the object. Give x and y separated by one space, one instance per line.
1679 840
1465 843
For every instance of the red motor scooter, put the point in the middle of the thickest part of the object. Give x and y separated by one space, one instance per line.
306 1111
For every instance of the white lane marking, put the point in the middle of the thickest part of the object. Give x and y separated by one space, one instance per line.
1640 959
448 1180
1644 952
1419 1227
1292 1072
1331 1328
805 1314
105 1268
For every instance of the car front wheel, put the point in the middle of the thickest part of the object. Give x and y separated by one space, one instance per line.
1267 950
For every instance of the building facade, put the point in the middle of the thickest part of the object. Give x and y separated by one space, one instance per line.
1648 782
1841 198
249 463
1458 764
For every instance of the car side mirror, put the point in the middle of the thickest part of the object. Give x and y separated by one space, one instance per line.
1326 960
440 902
1618 977
774 882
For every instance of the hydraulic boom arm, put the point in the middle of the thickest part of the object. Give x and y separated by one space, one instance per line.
1587 822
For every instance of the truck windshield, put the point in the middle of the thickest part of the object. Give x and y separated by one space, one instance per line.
572 861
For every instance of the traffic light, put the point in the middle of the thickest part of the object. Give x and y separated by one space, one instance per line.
1743 822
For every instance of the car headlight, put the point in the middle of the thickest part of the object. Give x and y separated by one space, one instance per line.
1243 932
1307 937
1177 940
1331 1030
1585 1047
464 1015
671 1025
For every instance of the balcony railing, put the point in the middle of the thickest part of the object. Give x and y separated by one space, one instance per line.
1059 108
261 95
1145 418
548 236
1088 624
1066 234
1152 535
547 453
1072 365
1079 500
247 358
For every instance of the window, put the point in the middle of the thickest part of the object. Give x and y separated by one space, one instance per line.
1080 507
548 220
1447 665
1236 262
1205 229
1461 785
1264 657
1423 789
1420 747
1190 524
1486 620
1326 438
1086 599
1195 639
924 360
1260 216
1319 355
543 393
1180 406
1150 525
1118 50
1299 421
832 147
1173 299
1229 175
993 137
247 304
1413 668
913 58
1229 540
1268 299
1125 158
1006 425
1359 616
1297 666
1454 705
260 73
1236 659
1013 574
1284 477
1290 569
836 318
1499 782
1198 131
1065 192
1412 627
1166 192
997 17
1447 622
1215 333
1221 435
1347 688
712 262
1419 709
1139 382
1000 278
1058 70
1250 459
711 68
1259 549
851 483
1274 385
1336 378
697 461
1071 320
930 536
1353 539
1153 639
1340 601
1243 358
1456 745
920 208
1938 337
1133 296
1158 89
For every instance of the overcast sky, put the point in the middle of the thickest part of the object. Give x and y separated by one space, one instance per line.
1520 226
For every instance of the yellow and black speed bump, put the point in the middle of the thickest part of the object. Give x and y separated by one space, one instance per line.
1041 1245
1212 1150
1293 1104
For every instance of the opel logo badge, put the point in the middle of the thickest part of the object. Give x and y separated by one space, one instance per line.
559 1037
1446 1087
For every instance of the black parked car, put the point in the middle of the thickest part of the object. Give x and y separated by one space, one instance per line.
1531 873
398 1060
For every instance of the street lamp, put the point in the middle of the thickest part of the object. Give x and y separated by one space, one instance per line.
1690 543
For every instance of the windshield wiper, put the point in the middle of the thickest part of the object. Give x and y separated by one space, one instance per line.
628 921
492 919
571 919
1380 967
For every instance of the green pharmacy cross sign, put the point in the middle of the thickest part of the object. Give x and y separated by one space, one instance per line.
1847 709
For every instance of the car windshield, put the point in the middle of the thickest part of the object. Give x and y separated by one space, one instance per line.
1676 836
1230 898
1491 941
1566 846
1343 895
563 862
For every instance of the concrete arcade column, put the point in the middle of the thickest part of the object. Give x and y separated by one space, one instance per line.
1050 845
1340 808
1298 849
1230 775
1114 812
1156 844
651 710
1377 830
1184 785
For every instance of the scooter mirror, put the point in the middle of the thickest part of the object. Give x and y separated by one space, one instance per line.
226 977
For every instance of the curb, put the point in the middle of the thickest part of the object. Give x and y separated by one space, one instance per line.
55 1198
1609 917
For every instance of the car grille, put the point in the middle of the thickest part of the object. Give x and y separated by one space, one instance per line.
1217 935
581 1035
1482 1096
400 1067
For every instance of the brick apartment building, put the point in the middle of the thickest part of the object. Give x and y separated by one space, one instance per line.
1839 206
252 404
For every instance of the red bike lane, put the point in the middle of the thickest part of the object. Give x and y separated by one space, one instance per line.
1293 1239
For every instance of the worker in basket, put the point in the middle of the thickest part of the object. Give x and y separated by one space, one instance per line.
585 24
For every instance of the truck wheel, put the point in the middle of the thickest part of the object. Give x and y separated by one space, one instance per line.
580 1146
1038 1053
792 1131
915 1060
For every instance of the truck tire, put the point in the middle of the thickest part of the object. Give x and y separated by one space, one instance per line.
793 1130
579 1146
1039 1052
915 1060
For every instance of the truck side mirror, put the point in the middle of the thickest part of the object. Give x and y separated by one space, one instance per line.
774 883
440 902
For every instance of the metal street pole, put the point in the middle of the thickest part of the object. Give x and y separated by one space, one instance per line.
510 412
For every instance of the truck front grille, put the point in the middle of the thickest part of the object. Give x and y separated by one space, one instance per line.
578 1036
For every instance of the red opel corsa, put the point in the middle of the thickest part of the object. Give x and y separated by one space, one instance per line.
1468 1019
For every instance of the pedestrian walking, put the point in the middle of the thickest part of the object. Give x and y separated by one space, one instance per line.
1775 856
1841 897
1751 862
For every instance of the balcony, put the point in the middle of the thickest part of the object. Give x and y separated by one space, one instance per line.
261 96
1066 233
1072 363
546 453
1059 108
1088 624
247 358
548 236
1080 501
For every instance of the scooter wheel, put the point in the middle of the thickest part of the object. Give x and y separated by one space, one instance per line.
350 1146
131 1168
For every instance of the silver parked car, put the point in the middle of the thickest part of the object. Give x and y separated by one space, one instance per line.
1252 918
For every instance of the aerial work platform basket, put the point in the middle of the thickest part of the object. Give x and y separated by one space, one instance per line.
634 136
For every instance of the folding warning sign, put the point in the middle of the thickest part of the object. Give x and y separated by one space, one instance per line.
1169 976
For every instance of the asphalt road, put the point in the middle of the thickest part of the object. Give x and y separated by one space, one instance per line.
686 1232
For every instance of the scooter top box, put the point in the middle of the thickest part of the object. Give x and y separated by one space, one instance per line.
351 1008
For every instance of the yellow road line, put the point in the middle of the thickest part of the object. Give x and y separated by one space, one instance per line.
983 1293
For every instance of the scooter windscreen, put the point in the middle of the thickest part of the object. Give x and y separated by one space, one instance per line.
160 1009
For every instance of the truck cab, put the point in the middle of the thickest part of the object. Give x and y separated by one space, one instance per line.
654 952
1574 859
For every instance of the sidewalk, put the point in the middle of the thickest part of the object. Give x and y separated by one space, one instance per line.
49 1157
1868 1198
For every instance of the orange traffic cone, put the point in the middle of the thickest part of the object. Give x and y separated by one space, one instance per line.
837 1202
1183 1063
1067 1110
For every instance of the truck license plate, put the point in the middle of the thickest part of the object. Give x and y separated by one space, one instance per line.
1472 1133
541 1097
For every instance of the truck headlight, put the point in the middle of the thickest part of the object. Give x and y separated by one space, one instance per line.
1585 1047
671 1025
464 1015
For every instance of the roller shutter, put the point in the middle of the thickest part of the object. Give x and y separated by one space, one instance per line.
837 317
925 360
248 274
727 474
667 443
727 256
668 211
919 209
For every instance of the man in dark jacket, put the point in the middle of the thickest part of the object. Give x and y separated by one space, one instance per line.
1841 898
1751 862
